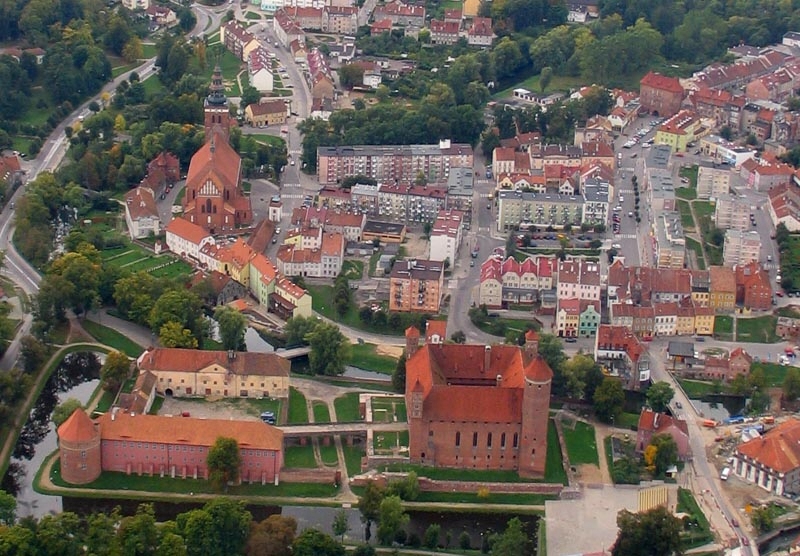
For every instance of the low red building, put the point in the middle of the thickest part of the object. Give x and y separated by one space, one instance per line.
165 446
652 423
660 95
753 289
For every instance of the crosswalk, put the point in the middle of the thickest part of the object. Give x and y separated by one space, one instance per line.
292 196
626 236
295 151
291 185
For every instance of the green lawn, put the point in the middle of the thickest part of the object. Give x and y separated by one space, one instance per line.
321 412
269 140
384 442
498 326
723 326
686 193
469 475
352 458
365 357
154 87
557 83
149 50
299 457
694 245
231 66
774 373
687 220
122 482
628 421
790 264
554 468
701 534
156 407
696 389
373 262
581 445
119 70
759 330
492 498
353 270
691 174
347 408
112 338
251 15
105 401
328 454
386 409
703 208
298 412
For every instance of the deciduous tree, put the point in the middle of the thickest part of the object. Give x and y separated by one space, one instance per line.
340 525
174 335
369 504
316 543
513 541
273 536
224 461
330 350
391 518
791 384
399 375
115 370
655 532
64 410
659 395
608 399
232 325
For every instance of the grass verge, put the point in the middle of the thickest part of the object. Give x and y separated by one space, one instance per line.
298 411
365 356
347 410
112 338
321 412
301 457
581 444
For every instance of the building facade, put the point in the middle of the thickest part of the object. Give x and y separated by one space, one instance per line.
416 285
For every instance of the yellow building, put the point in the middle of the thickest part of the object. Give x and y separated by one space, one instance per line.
235 262
297 296
681 129
722 290
198 373
685 323
704 321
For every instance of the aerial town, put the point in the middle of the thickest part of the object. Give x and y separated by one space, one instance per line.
345 268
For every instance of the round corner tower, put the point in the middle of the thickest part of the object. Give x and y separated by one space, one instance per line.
535 418
79 449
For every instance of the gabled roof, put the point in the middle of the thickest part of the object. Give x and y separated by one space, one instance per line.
778 449
215 157
195 360
187 230
662 82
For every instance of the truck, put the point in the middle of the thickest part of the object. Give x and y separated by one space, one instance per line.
710 423
726 472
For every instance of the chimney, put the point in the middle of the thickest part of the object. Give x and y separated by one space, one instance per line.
231 355
498 381
487 358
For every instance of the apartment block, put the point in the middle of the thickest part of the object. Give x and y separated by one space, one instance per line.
670 242
713 180
416 285
731 213
537 209
741 247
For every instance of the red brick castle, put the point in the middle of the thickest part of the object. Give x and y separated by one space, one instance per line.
478 407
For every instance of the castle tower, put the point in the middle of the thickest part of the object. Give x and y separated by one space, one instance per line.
415 398
79 449
217 116
412 341
531 344
535 418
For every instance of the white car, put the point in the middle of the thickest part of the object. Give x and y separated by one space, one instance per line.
616 246
617 209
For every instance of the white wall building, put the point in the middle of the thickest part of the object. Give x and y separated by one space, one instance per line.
446 235
187 239
741 247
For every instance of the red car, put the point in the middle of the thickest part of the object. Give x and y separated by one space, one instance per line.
779 294
745 541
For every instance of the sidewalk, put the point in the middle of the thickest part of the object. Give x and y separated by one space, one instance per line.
135 332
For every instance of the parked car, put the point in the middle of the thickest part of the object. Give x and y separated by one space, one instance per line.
570 340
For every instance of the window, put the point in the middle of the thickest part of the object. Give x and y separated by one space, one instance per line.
458 439
474 439
516 440
489 440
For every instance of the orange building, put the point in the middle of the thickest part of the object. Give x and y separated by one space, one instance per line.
416 285
214 198
478 407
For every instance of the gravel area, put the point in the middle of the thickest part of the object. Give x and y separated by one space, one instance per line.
222 409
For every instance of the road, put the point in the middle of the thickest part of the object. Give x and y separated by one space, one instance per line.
48 159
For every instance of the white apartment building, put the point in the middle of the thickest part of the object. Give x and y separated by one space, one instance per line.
446 235
186 239
670 243
713 180
731 213
741 247
578 279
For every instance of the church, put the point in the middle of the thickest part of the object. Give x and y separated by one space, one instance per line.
214 198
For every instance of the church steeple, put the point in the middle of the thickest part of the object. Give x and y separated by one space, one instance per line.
217 117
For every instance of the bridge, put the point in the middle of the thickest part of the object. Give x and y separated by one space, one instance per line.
292 353
290 431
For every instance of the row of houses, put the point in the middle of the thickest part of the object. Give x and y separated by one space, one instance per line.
245 265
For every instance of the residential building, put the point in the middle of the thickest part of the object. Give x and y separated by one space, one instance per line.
713 180
670 244
622 355
446 235
216 374
259 69
596 194
400 164
165 446
578 279
724 152
540 99
187 239
385 232
722 293
725 368
537 209
285 28
324 261
753 288
266 113
399 13
141 213
568 313
474 406
660 95
416 285
788 328
214 198
480 34
509 281
680 130
444 32
410 203
660 189
590 318
741 247
290 300
731 213
765 174
771 462
720 106
784 205
652 424
238 40
777 86
342 20
134 5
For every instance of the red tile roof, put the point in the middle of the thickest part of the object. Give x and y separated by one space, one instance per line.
658 81
194 360
186 430
216 158
435 328
77 428
778 449
187 230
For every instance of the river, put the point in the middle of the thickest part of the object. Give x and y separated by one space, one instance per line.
76 377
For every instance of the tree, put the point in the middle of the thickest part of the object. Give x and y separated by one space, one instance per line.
8 509
391 519
364 550
274 536
340 525
181 306
64 410
552 351
399 375
330 350
666 453
174 335
659 395
224 461
232 325
316 543
655 532
762 519
115 370
33 353
464 541
608 399
545 77
230 527
459 337
431 537
513 541
137 534
791 384
369 505
580 376
297 329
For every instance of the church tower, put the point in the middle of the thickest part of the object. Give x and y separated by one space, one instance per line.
217 115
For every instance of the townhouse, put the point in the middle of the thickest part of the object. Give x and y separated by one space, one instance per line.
506 282
622 355
681 130
321 261
446 235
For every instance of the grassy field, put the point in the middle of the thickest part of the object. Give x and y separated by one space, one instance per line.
364 356
299 457
703 208
269 140
352 458
388 410
498 326
230 66
328 454
298 412
153 86
702 533
321 412
696 388
353 270
149 50
694 245
557 83
112 338
687 220
122 482
347 408
384 442
581 445
790 264
723 327
469 475
492 498
774 373
759 330
135 259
